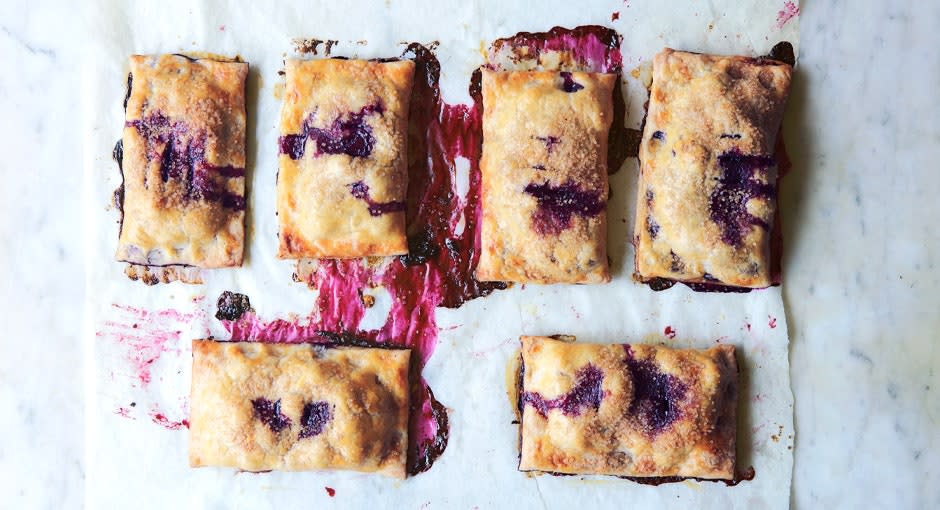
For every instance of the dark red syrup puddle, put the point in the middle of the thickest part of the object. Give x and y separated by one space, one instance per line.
439 269
781 52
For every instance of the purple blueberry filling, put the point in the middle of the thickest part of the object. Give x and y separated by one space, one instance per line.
651 226
656 395
735 136
360 190
270 414
737 185
659 135
314 419
549 141
350 136
556 205
569 84
130 84
676 265
183 158
586 394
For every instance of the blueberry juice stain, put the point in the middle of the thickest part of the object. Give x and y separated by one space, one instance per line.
439 269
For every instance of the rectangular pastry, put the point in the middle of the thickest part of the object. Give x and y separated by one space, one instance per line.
707 192
544 176
183 162
297 407
627 409
343 177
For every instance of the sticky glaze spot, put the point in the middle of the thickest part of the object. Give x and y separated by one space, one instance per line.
586 394
656 395
568 83
736 186
314 419
351 135
557 204
360 190
269 413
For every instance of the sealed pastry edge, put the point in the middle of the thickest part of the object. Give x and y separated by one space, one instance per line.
726 353
702 283
189 273
398 469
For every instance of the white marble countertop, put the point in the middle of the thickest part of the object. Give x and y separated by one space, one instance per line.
861 287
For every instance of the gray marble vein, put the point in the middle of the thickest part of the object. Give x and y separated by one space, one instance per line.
861 282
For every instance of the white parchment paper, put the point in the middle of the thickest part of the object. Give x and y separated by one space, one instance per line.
137 350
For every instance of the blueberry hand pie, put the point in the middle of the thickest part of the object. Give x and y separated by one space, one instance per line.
343 175
183 162
298 407
627 409
544 176
708 185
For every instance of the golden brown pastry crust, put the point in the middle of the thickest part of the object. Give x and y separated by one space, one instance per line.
183 163
322 211
364 392
659 412
706 197
541 141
